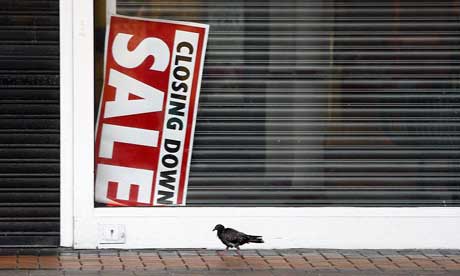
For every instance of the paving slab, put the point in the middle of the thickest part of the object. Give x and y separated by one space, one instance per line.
172 262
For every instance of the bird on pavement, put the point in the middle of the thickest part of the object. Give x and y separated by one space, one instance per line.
233 238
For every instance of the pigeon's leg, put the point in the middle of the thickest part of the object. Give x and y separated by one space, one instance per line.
237 247
226 248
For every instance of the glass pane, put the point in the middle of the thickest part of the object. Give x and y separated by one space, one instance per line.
313 103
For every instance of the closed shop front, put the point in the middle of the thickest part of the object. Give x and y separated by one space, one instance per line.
310 103
320 124
29 123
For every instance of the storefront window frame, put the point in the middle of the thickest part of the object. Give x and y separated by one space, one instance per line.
282 227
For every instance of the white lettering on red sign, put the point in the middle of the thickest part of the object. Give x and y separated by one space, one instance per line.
144 134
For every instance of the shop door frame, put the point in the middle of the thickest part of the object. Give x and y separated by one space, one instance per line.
190 227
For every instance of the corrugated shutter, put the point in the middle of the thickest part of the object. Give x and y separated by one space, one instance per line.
350 103
29 123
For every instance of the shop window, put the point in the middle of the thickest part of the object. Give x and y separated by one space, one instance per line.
320 103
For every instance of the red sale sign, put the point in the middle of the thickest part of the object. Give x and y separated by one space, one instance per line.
146 120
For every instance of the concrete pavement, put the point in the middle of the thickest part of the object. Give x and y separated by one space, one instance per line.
310 262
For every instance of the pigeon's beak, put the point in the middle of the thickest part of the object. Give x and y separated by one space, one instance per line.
214 229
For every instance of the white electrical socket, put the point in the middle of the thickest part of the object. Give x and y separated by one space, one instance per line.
112 233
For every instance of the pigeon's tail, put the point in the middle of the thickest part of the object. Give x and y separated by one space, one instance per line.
255 239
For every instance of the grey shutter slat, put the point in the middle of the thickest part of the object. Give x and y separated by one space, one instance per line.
29 123
306 103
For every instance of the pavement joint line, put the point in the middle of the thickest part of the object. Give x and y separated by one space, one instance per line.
265 260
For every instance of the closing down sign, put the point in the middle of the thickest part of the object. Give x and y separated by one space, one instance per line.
149 102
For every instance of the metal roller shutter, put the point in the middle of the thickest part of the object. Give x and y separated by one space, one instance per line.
29 123
304 103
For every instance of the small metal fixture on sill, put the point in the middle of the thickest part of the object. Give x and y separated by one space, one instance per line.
112 234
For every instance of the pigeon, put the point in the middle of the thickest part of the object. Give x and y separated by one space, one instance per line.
232 238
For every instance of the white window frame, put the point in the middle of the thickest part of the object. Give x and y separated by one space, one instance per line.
190 227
